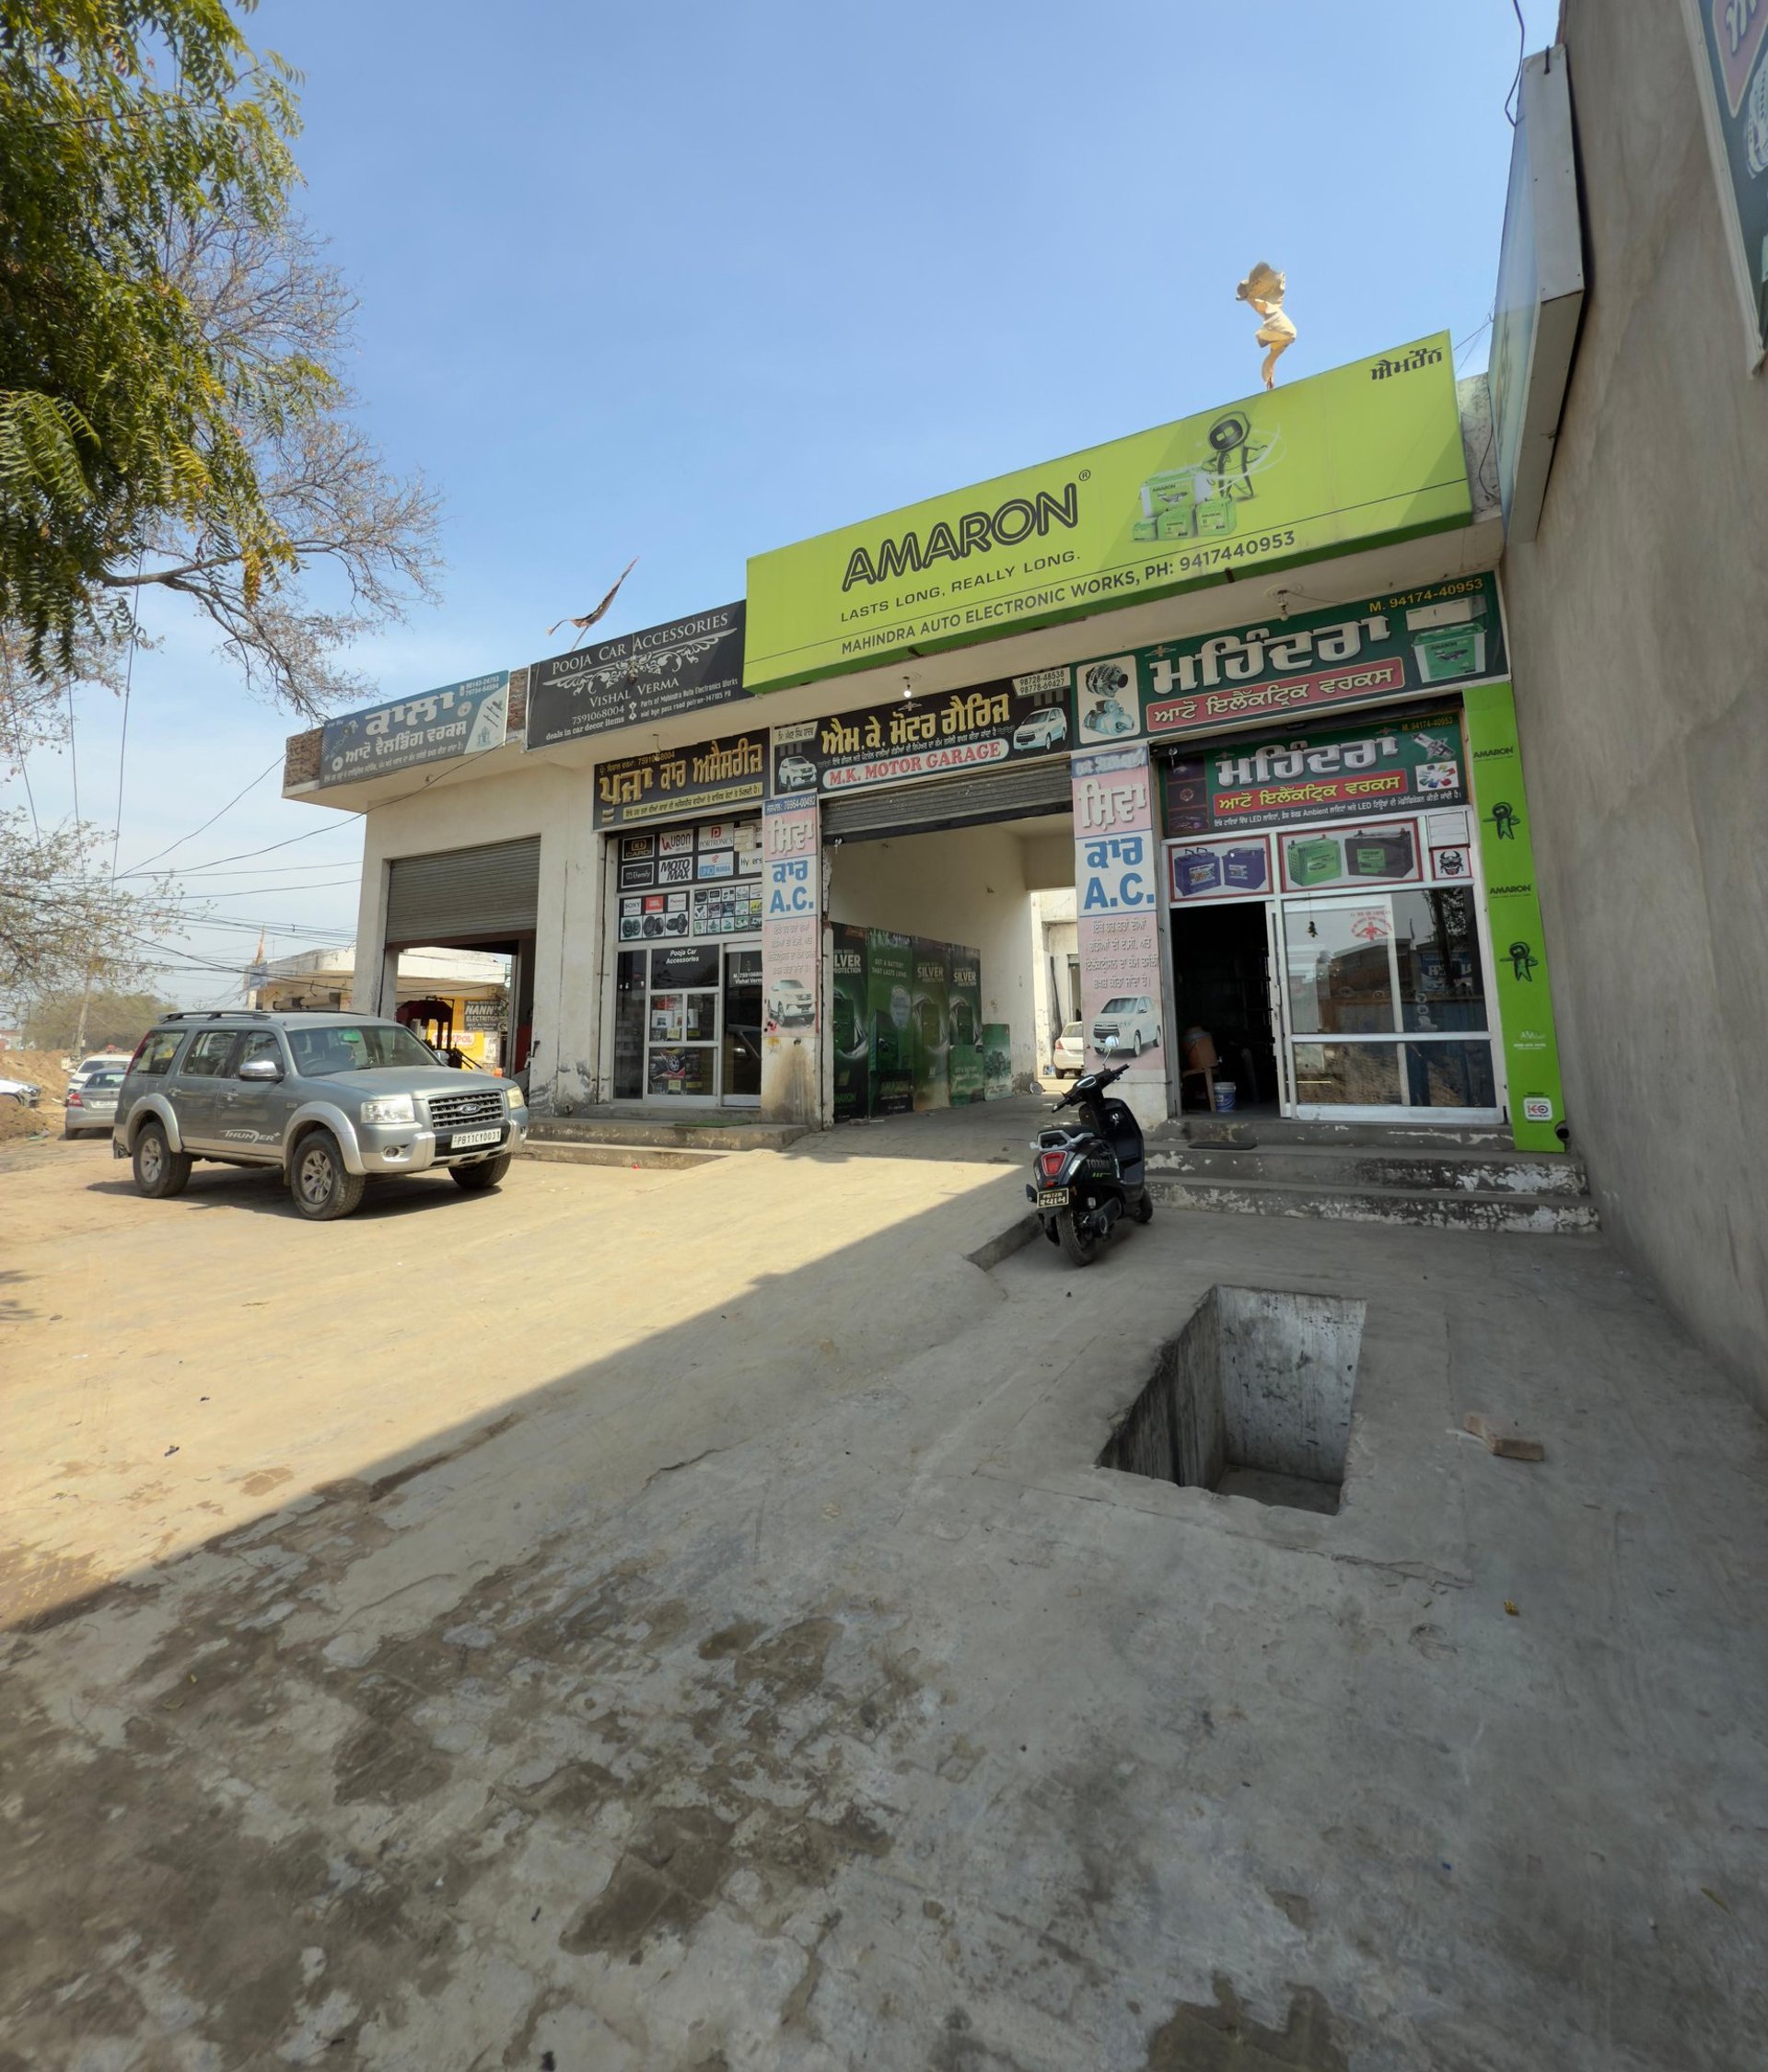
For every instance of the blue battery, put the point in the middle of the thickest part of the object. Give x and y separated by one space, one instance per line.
1245 869
1201 873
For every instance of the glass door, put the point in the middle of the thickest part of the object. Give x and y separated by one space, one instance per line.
682 1024
742 1039
1385 1006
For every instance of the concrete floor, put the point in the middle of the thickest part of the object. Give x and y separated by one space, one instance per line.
692 1635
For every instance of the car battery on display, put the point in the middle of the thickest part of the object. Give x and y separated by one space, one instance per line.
1387 855
1245 868
1315 860
1192 875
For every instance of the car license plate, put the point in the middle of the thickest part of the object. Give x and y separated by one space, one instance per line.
1052 1197
464 1140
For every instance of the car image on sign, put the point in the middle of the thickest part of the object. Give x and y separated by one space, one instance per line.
790 1005
1133 1021
794 772
1048 728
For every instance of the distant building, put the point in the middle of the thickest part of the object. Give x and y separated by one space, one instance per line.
467 992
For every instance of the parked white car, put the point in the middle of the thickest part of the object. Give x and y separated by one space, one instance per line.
1135 1020
20 1091
100 1061
1068 1058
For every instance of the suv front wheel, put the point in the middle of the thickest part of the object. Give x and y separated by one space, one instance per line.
160 1170
476 1179
320 1185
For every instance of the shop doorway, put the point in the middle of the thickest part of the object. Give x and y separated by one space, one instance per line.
1386 1005
1222 979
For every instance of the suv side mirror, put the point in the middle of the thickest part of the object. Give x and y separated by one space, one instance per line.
261 1068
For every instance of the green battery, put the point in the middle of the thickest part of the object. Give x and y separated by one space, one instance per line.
1214 517
1313 861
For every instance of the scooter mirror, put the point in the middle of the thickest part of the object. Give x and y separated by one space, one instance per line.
1108 1045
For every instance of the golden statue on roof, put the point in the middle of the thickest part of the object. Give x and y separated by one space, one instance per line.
1264 288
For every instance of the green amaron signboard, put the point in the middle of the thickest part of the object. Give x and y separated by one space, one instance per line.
1367 453
1513 909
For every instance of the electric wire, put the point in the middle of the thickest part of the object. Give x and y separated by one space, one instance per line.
140 868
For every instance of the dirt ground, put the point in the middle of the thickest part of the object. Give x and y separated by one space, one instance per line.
673 1620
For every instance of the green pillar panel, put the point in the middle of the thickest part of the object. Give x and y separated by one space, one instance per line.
1519 951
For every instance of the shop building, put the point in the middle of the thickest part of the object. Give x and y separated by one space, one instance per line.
1206 730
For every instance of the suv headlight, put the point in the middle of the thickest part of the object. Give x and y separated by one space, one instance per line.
392 1108
516 1099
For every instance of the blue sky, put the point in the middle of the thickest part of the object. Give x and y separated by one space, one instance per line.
692 283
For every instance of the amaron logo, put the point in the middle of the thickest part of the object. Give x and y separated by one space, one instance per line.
977 532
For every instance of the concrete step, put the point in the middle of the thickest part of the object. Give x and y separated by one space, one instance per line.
1549 1215
638 1130
653 1157
1350 1166
1267 1130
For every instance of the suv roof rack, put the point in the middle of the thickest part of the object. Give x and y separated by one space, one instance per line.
217 1014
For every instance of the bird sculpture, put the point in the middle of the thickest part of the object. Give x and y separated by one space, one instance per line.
1265 287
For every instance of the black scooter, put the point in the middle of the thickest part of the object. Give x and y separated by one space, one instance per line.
1089 1178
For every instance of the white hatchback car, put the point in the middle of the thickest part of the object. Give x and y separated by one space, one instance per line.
1068 1059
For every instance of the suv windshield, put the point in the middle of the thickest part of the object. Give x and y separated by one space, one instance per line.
1124 1006
321 1054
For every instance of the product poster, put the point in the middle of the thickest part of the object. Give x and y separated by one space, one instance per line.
929 1024
1513 911
1220 870
997 1060
890 981
964 1069
1121 915
849 1015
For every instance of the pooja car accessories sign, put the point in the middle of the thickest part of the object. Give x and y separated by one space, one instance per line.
1353 456
640 678
673 783
1407 642
459 720
943 734
1335 775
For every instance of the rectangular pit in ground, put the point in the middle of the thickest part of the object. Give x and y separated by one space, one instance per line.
1252 1397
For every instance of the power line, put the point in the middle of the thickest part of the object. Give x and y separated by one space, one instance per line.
191 836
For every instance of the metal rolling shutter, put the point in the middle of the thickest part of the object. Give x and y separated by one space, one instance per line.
1040 787
488 892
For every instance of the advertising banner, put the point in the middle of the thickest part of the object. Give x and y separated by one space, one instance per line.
850 1014
791 957
1118 901
1413 641
890 981
964 1024
1513 911
1335 775
459 720
1367 452
1730 41
945 732
929 1024
997 1060
673 783
637 679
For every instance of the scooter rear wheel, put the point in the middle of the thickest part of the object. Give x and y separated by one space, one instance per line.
1144 1207
1081 1246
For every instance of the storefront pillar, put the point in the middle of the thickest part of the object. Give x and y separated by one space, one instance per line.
1118 911
791 960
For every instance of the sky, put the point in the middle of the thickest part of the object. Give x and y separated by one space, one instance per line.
692 283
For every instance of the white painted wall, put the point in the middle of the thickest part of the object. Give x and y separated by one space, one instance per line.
475 809
964 885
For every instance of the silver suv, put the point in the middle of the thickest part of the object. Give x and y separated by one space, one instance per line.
333 1099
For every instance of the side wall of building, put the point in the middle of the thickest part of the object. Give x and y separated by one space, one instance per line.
553 803
966 886
1637 620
